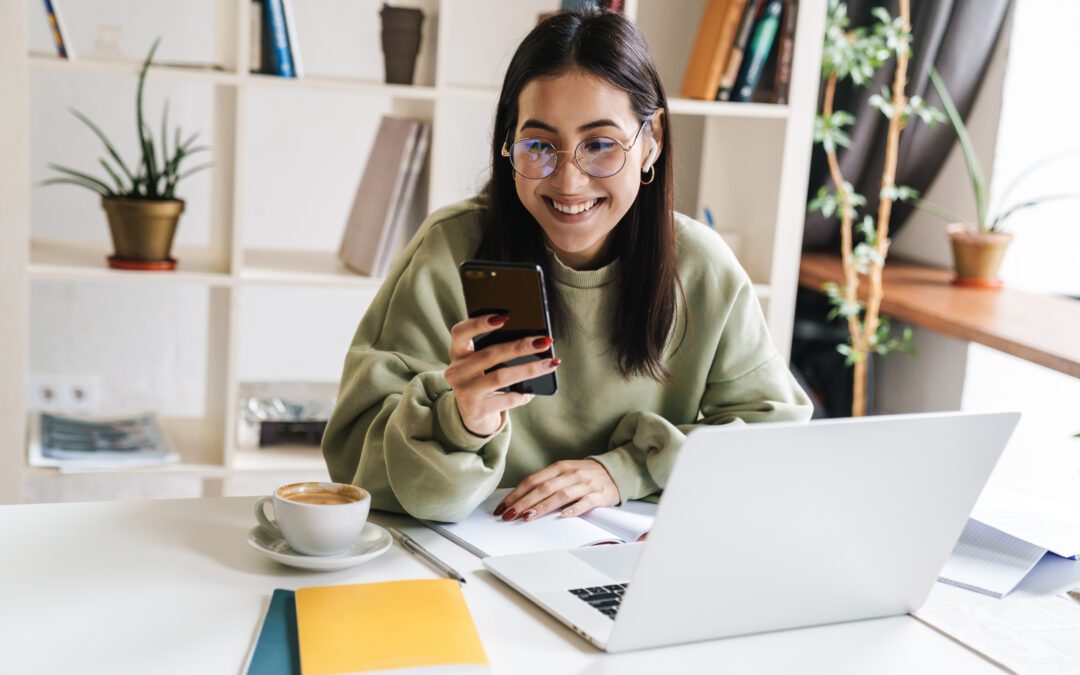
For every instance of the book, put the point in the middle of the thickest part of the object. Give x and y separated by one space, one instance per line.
402 228
372 217
83 443
712 47
760 45
294 42
276 650
738 49
786 50
483 534
56 25
255 36
379 627
279 38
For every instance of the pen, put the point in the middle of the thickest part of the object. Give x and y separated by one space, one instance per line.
416 549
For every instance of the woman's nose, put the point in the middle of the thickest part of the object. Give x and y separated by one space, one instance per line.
568 175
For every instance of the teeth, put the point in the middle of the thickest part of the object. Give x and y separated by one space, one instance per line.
574 209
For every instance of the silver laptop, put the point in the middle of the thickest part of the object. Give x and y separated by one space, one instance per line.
772 526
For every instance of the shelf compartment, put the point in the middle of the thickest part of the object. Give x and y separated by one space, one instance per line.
52 259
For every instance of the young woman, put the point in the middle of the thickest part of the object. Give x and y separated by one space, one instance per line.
656 326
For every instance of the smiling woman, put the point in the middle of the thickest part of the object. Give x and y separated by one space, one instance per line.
656 325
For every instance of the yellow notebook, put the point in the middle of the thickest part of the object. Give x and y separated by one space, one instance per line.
383 627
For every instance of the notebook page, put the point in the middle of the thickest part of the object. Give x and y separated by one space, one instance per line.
627 522
485 535
989 561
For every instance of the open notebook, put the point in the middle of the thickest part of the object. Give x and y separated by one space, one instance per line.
482 534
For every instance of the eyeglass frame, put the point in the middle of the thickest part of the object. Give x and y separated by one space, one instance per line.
505 152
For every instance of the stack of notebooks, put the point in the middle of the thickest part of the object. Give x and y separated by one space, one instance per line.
413 626
384 213
743 51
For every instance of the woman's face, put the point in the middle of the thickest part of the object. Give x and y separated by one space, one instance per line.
577 211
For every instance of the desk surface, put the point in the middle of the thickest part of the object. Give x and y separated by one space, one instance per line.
1039 328
173 587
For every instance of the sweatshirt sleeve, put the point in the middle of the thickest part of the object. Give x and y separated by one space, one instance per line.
748 382
395 430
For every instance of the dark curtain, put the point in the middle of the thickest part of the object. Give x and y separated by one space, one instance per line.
955 36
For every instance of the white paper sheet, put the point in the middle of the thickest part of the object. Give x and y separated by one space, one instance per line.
1037 636
989 561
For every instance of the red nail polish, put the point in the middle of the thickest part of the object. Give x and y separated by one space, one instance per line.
542 342
499 509
528 515
498 319
555 362
509 515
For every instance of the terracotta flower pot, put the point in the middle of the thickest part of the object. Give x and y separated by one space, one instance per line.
977 255
142 232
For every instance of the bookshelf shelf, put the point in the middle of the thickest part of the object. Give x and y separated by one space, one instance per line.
764 111
194 73
265 266
59 260
288 151
398 91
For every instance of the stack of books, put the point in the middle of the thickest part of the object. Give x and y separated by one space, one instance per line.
743 51
82 443
379 224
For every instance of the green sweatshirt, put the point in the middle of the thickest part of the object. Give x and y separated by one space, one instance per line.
396 431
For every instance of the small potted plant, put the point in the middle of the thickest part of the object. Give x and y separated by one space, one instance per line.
140 203
979 248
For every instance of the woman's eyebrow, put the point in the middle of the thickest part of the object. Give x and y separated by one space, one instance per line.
537 124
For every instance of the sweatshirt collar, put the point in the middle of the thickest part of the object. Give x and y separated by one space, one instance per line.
582 278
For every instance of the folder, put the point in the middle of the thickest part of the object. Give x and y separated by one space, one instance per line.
382 627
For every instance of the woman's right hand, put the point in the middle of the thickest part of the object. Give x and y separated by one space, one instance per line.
479 400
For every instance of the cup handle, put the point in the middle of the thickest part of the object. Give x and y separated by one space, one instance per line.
267 524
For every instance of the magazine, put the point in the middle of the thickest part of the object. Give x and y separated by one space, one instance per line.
80 443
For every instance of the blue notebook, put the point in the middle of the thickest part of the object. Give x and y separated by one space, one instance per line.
277 651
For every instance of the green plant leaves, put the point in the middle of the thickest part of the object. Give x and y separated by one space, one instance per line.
153 179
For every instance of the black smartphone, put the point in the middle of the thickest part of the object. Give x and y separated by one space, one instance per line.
515 289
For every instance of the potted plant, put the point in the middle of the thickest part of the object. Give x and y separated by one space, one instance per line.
140 203
978 248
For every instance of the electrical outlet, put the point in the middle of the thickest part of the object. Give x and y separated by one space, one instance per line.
63 393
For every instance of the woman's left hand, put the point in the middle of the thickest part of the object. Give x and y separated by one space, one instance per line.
582 483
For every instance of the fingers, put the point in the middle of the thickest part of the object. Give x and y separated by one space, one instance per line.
475 364
530 482
584 505
463 332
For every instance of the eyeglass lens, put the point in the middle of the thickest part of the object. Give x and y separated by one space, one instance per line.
599 157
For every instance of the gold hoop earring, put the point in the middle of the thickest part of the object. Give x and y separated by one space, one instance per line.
652 176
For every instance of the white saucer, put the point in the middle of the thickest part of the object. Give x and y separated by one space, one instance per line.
372 542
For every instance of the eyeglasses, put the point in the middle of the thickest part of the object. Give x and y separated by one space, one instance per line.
599 156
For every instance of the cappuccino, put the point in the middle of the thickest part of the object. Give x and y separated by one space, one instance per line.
315 497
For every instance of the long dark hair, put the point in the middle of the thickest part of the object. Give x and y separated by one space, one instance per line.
610 47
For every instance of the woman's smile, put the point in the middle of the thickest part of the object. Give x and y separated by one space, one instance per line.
573 211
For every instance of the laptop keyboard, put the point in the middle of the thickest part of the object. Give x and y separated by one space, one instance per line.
605 599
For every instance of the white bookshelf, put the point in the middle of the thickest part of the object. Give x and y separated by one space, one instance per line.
747 163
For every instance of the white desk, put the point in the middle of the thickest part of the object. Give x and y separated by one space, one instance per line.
173 587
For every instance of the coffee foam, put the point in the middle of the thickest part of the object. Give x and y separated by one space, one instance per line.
321 493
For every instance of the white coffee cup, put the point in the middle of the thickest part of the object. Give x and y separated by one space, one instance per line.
316 518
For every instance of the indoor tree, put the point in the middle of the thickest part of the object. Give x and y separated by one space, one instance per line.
855 54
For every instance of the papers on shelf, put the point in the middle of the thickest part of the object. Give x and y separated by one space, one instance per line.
1037 635
482 534
81 444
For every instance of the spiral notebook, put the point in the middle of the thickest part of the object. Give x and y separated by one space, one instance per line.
483 534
